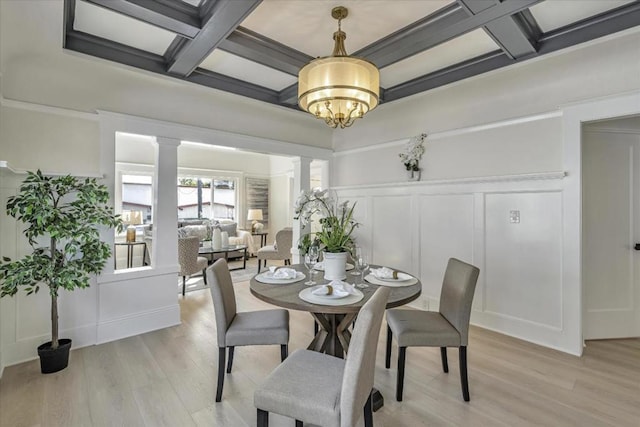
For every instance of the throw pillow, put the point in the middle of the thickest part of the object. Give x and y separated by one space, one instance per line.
229 228
182 233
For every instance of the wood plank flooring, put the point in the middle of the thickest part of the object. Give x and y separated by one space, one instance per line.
168 377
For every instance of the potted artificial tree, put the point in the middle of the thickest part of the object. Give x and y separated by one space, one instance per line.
63 215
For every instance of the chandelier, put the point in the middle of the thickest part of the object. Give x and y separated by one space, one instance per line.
338 88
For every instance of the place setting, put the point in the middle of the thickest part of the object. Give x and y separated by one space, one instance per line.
385 276
335 292
280 276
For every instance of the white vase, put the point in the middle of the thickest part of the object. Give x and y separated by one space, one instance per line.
335 265
225 239
216 239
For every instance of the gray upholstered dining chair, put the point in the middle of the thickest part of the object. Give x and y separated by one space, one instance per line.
322 389
190 262
448 327
265 327
280 250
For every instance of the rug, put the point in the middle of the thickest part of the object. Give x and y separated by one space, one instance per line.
196 282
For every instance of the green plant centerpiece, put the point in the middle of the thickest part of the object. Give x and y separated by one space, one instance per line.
63 215
336 228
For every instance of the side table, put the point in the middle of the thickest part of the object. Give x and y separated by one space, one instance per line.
263 238
130 246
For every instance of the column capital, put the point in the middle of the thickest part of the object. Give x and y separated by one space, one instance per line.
164 141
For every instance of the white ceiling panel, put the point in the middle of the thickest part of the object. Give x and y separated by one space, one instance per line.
308 26
243 69
122 29
552 14
452 52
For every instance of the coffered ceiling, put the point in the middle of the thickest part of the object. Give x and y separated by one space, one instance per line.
255 48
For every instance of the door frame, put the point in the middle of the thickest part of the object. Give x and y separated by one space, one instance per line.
574 115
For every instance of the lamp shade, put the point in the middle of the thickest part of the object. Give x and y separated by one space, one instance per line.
255 215
339 88
336 84
131 217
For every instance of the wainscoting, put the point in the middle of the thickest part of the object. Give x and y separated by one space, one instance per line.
509 226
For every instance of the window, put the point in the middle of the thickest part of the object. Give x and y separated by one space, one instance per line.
137 198
195 196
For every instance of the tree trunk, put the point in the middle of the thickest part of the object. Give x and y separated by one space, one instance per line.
54 322
54 302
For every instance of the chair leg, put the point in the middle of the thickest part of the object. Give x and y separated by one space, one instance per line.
387 358
204 275
230 361
221 357
463 372
443 355
184 284
368 412
299 423
284 352
263 418
259 264
402 354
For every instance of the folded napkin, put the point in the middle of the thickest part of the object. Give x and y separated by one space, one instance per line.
384 273
336 287
283 273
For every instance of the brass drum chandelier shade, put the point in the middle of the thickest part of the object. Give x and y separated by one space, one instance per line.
338 89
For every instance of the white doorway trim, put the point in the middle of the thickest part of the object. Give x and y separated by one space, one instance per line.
573 117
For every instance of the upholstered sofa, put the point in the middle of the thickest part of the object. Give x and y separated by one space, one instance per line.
196 227
236 237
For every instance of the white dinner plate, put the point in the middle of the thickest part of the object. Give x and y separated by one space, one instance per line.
307 295
392 284
401 278
267 277
320 267
337 293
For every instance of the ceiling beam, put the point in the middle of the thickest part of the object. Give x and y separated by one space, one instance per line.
263 50
112 51
505 31
447 23
609 22
168 14
586 30
289 95
224 17
482 64
69 17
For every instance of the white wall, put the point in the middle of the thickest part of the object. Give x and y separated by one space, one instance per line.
512 125
418 227
32 139
280 205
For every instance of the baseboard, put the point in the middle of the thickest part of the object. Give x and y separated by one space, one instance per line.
137 324
26 349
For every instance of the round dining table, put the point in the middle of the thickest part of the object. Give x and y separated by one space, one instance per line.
333 336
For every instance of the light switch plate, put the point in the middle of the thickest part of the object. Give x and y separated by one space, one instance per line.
514 217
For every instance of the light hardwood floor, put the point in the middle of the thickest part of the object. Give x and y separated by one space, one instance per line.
168 377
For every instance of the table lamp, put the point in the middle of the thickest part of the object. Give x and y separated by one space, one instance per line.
131 219
254 215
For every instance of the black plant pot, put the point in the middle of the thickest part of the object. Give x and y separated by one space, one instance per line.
54 360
